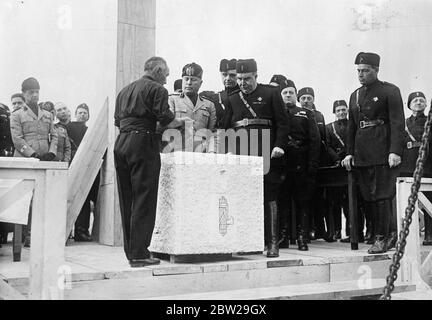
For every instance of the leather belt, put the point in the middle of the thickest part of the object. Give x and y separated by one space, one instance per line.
413 144
371 123
250 122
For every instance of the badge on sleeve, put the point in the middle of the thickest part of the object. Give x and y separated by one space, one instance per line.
375 99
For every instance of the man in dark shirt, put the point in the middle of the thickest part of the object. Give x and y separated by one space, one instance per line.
306 97
139 106
338 196
375 146
302 157
414 129
259 108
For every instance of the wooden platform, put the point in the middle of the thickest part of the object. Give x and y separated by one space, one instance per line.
326 271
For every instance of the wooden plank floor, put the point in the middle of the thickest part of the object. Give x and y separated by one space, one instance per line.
90 262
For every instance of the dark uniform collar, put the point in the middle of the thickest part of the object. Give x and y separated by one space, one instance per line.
373 84
419 116
229 90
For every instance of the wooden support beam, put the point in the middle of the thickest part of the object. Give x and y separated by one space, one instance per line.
424 203
86 165
18 190
9 293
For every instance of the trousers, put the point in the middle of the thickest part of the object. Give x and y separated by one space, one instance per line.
137 163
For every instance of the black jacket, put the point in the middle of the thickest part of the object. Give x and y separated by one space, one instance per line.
372 145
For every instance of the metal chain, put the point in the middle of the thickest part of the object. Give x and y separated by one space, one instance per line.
401 243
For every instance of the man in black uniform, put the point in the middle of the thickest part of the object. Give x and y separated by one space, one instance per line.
257 107
306 97
227 69
414 128
375 145
301 158
338 196
139 106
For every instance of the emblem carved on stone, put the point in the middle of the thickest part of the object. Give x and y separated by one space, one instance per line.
224 219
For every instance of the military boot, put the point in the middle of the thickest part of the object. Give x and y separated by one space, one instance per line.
381 214
273 244
393 234
302 239
428 230
284 237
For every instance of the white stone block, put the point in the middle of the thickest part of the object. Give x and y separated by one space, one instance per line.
209 204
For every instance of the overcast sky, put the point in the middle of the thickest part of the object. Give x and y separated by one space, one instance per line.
70 45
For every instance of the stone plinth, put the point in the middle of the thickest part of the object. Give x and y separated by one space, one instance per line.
209 204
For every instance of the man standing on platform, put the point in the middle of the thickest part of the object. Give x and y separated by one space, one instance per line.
306 97
259 108
302 157
337 132
375 144
414 130
33 133
139 106
202 111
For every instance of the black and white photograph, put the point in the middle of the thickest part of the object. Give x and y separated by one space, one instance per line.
215 157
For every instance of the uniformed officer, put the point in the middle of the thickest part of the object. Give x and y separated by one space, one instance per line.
139 106
63 142
33 132
306 97
259 109
414 128
197 135
338 196
301 158
375 144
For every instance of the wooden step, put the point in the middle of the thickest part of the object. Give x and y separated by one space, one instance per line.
316 291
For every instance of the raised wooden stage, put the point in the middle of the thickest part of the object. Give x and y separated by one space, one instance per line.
326 271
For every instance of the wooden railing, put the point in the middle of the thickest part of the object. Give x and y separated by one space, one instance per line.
412 269
48 226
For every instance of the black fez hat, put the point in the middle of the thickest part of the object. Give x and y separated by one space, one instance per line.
305 90
368 58
30 84
339 103
178 84
414 95
291 84
226 65
246 66
192 70
279 79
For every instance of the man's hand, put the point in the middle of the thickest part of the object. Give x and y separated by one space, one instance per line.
394 160
48 156
348 162
35 155
277 153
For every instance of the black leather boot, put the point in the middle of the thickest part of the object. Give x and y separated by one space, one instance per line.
393 234
379 246
428 230
273 244
382 213
369 217
303 231
284 237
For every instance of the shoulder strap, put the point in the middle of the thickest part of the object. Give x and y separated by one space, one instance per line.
409 133
337 135
220 101
247 105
